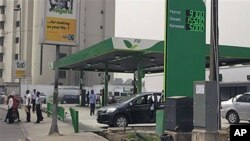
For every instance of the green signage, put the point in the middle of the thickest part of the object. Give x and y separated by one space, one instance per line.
185 46
195 20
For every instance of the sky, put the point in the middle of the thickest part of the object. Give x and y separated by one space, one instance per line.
140 19
144 19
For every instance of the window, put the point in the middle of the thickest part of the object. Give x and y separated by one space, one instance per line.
17 40
1 41
1 73
62 55
242 98
18 6
2 10
2 25
16 56
17 23
62 74
1 57
143 100
116 94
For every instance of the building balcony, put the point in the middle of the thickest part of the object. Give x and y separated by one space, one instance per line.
2 17
1 65
2 3
2 49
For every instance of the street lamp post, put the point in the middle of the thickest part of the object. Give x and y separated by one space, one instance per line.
20 50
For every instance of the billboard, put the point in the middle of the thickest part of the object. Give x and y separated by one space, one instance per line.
60 22
20 69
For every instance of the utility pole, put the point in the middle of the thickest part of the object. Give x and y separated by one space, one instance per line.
214 52
20 41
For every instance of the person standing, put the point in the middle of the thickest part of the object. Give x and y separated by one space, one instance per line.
16 103
92 100
28 105
38 108
33 95
87 98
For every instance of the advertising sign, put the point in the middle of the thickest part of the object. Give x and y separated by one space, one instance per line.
60 22
20 69
185 46
133 44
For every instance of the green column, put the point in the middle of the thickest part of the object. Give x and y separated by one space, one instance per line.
83 95
184 49
106 84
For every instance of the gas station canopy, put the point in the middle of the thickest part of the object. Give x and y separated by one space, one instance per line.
121 54
124 55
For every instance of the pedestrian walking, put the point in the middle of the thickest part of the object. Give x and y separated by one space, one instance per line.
38 108
10 110
28 105
16 103
33 95
92 100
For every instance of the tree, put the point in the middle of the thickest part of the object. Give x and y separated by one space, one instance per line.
54 127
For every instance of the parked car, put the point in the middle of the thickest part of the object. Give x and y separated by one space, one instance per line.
43 97
69 99
131 110
2 97
236 108
120 95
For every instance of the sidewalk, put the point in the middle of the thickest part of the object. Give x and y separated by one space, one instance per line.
87 122
39 132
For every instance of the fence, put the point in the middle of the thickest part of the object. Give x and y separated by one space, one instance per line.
60 111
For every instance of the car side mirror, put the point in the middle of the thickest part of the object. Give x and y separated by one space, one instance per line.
131 104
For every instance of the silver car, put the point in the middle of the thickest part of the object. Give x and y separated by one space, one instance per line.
236 108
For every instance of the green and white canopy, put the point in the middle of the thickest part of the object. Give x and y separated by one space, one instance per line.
121 54
124 55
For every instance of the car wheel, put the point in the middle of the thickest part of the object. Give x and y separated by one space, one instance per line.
121 121
233 117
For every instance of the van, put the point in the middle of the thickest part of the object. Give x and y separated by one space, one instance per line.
120 95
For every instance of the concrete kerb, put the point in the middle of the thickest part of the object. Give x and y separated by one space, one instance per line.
23 129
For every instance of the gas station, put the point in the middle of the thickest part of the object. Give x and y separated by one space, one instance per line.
183 58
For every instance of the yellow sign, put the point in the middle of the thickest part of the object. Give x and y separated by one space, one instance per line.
20 68
60 30
20 73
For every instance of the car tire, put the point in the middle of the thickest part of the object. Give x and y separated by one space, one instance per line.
121 121
233 117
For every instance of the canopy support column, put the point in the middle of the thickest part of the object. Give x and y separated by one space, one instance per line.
106 84
83 92
139 78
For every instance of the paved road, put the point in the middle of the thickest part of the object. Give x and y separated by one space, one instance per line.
9 132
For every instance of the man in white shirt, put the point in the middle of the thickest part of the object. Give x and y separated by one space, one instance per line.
38 108
28 105
33 95
10 110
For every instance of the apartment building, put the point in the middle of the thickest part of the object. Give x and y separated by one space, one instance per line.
98 20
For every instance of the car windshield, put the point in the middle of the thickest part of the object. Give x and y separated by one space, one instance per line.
127 99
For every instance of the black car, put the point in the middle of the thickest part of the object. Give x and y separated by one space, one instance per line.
140 108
